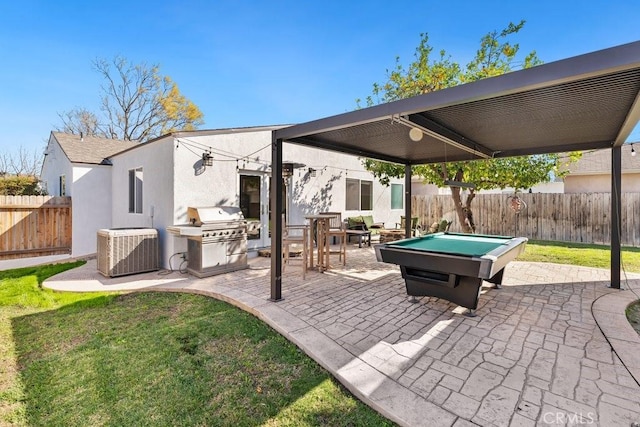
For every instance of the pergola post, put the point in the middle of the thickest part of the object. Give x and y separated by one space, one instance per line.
407 200
275 197
616 208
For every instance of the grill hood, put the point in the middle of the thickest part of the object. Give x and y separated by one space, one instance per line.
211 214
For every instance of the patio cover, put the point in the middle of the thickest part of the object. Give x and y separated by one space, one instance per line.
581 103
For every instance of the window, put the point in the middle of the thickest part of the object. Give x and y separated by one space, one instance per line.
359 195
396 196
62 185
135 190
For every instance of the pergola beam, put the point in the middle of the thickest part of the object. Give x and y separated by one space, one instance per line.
446 135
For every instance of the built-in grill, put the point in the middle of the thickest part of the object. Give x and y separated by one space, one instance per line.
217 240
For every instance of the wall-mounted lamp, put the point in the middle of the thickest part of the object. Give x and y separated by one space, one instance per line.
312 172
207 159
288 167
633 152
287 170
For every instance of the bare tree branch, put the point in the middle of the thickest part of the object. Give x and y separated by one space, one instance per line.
79 120
137 103
21 162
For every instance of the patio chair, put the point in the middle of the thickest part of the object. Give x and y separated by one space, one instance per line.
295 236
337 230
439 226
415 227
335 223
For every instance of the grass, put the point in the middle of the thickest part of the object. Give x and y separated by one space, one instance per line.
153 359
174 359
579 254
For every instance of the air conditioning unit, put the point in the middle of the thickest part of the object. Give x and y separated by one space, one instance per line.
123 251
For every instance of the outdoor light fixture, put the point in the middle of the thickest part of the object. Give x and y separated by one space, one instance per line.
288 167
423 130
415 134
633 152
287 170
312 172
207 159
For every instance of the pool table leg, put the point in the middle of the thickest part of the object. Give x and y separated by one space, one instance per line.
497 279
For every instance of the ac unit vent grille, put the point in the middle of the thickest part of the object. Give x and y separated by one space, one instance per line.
127 251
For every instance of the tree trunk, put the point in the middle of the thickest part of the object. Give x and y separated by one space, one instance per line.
464 212
469 213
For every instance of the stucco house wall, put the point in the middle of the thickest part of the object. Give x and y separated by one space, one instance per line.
87 181
592 172
326 192
156 160
54 165
174 179
90 206
630 183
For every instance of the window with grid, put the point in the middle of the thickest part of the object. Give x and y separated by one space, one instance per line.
359 195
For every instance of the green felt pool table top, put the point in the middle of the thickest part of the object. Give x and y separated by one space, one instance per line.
454 243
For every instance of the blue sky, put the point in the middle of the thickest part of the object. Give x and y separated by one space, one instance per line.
249 63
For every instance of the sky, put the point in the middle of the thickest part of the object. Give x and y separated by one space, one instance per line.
255 63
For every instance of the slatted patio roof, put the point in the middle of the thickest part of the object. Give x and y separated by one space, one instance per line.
590 101
586 102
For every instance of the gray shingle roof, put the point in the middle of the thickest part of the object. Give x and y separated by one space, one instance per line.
90 149
594 162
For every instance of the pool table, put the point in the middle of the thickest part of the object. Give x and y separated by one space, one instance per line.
451 266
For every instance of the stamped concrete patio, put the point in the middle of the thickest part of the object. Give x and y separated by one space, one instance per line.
552 347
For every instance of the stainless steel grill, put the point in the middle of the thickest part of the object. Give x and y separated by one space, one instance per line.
217 240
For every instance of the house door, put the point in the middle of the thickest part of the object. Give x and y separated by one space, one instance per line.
254 203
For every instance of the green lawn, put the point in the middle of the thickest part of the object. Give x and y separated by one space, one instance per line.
579 254
174 359
154 359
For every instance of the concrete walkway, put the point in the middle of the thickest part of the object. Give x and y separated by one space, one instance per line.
535 355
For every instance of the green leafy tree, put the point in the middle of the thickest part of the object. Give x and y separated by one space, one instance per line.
20 185
496 56
137 104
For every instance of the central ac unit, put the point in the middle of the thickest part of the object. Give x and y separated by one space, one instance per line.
124 251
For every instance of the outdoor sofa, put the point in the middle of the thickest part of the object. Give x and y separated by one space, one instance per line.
364 222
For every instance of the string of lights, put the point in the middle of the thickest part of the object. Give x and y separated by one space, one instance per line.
192 145
230 155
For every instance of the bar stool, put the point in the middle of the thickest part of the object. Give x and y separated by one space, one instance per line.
337 230
295 235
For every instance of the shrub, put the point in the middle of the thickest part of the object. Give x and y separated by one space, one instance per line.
20 185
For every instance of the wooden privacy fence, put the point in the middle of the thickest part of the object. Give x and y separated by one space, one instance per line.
34 226
584 218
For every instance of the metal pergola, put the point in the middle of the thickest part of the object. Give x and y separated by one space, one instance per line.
586 102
